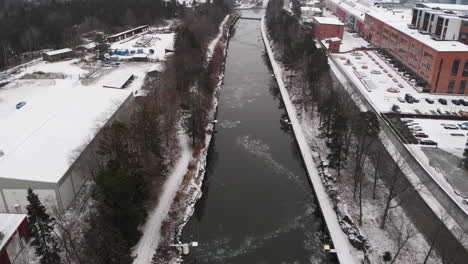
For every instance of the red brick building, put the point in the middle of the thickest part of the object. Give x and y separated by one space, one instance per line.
13 237
440 66
328 27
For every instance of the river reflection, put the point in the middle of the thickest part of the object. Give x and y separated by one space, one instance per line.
257 204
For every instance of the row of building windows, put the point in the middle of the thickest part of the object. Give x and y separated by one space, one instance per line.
461 87
426 66
456 66
428 55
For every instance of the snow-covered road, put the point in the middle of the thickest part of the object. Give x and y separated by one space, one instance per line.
148 243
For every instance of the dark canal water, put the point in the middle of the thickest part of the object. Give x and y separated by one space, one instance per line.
257 204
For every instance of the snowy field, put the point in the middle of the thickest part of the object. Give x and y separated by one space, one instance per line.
61 114
384 86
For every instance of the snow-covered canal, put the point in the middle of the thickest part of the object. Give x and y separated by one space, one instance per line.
257 204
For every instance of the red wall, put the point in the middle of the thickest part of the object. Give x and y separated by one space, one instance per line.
4 257
323 31
334 46
360 27
341 13
412 53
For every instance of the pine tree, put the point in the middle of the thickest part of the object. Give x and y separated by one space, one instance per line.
296 8
102 47
40 228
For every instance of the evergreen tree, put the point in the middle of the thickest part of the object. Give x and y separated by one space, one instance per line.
296 8
105 243
102 47
40 227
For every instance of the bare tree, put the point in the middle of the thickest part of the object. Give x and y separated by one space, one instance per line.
404 233
376 157
397 185
66 232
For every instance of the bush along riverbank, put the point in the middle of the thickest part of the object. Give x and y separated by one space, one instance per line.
190 190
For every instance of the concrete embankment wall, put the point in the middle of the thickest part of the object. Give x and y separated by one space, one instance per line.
340 240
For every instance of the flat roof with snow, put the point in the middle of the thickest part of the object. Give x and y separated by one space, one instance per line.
119 81
328 21
400 20
9 223
40 140
127 31
451 7
60 51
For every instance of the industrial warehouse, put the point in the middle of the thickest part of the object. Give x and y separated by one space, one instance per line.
53 122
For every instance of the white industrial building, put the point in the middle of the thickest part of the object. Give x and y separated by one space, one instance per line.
48 144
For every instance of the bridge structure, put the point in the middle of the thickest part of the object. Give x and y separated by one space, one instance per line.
250 18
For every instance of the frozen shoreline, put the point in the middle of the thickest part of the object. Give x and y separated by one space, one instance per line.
340 240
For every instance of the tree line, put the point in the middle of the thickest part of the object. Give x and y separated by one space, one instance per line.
31 25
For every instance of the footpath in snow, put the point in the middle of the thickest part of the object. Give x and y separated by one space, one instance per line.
148 243
340 240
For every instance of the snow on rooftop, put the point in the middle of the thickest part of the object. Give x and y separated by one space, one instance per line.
308 8
60 115
60 51
127 31
452 7
8 225
400 20
375 86
351 42
117 81
328 20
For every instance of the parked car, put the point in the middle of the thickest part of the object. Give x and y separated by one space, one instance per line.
457 134
412 124
422 135
415 129
20 104
429 101
406 121
463 102
2 153
396 108
427 142
408 98
402 100
463 113
463 127
455 102
442 101
450 126
415 100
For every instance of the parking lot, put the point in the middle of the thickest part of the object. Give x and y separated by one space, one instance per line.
389 89
448 135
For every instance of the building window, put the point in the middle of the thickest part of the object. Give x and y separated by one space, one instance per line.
465 69
455 65
461 90
450 86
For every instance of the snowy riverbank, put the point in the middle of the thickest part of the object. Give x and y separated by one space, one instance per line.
343 247
168 219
